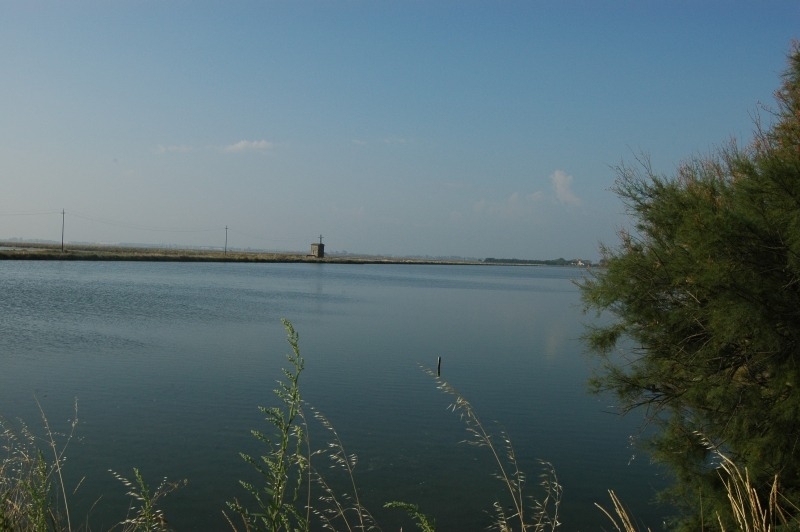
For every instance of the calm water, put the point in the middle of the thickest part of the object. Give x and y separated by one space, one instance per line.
168 362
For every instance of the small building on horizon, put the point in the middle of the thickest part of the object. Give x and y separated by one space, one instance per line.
318 249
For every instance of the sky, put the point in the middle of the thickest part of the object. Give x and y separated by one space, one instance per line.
405 128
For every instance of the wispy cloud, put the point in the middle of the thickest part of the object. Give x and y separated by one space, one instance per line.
389 141
174 148
562 186
248 146
514 205
238 147
517 205
536 196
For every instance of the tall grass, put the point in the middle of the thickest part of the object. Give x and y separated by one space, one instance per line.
143 512
32 491
285 465
295 494
750 510
527 512
295 491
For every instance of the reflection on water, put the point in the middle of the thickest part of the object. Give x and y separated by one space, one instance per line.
169 360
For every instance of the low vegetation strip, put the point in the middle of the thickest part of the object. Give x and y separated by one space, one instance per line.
40 251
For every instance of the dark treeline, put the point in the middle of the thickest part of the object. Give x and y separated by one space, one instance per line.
548 262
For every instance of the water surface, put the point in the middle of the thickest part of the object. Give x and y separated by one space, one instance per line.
169 360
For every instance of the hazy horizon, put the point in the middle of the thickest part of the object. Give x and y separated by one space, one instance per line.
20 242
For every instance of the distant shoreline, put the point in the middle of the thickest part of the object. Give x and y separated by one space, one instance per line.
97 252
16 250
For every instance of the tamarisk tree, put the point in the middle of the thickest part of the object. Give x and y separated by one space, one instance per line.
704 297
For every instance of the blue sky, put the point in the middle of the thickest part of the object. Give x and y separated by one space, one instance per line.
469 128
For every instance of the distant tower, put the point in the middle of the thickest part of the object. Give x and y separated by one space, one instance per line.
318 249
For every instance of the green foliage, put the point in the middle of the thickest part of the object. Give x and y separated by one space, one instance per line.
146 516
290 481
25 483
705 290
32 489
287 471
32 493
285 465
423 522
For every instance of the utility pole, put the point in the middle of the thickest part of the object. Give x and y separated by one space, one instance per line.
62 230
226 241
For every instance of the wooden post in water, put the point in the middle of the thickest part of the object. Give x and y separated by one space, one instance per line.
439 367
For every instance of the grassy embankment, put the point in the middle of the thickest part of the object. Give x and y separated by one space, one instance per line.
46 251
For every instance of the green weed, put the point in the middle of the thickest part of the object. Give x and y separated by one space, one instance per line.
294 495
528 513
32 491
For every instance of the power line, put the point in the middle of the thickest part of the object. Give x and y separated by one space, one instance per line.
261 238
128 225
142 227
33 213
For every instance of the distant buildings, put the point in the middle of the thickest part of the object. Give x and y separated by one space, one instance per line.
318 249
